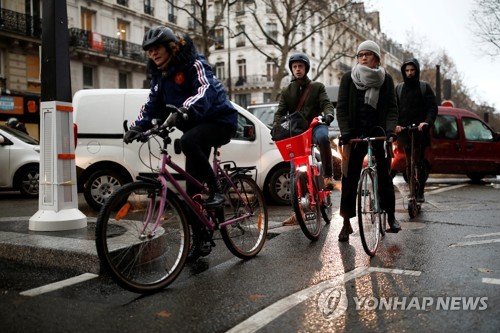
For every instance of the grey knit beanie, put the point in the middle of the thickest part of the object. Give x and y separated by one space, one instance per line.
369 45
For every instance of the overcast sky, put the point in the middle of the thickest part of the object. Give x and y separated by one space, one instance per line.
446 24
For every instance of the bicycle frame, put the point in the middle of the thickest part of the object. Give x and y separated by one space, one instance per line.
413 182
371 165
165 177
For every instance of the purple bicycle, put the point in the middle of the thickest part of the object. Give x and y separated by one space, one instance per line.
142 231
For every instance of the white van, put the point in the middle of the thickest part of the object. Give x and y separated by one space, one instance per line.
104 162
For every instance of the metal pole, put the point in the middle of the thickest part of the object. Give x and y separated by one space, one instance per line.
58 198
438 85
229 87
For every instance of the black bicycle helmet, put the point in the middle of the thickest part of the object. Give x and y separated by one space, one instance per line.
299 57
158 35
12 122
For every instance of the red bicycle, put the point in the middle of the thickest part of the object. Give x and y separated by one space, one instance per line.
309 200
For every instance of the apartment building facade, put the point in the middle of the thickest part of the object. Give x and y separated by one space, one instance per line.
105 51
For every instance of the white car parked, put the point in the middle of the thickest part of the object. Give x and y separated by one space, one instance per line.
20 162
104 162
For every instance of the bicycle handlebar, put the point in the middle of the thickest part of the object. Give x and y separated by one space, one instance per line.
167 125
366 139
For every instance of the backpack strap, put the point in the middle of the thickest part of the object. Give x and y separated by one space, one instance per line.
303 97
399 89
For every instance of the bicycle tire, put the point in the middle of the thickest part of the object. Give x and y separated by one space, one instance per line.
368 216
327 207
245 238
413 206
134 258
308 216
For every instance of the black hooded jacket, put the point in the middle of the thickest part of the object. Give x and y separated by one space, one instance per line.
416 106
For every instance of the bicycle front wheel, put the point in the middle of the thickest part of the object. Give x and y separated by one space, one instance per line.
368 213
413 206
306 205
245 203
139 256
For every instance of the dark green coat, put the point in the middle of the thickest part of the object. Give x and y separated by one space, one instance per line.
346 105
316 103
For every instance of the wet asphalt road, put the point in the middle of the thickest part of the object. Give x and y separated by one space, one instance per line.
442 272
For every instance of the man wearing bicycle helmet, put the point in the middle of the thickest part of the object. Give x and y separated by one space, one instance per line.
316 103
182 77
366 106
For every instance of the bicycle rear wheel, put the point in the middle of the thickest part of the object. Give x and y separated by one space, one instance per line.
368 214
137 257
245 238
308 214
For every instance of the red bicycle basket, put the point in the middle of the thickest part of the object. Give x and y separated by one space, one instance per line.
296 146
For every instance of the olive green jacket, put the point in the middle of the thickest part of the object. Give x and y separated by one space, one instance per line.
387 107
316 103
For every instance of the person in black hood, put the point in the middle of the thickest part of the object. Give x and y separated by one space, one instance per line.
417 105
182 77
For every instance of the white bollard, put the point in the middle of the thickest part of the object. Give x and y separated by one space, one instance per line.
58 197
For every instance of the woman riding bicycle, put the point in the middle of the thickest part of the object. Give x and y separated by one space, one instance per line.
182 77
315 104
366 100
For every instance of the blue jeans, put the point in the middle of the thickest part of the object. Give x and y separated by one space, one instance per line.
320 137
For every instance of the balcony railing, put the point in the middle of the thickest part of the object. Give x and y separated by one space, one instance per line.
92 41
19 23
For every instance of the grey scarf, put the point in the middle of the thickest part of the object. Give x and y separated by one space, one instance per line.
369 79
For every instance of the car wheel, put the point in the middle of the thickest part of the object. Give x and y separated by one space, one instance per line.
27 181
100 185
279 185
475 177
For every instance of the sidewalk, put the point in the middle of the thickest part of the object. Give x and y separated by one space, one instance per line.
71 249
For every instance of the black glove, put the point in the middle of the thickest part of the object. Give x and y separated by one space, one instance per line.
134 133
345 137
175 119
328 119
391 136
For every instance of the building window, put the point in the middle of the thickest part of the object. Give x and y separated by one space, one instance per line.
240 8
272 31
219 38
242 100
122 28
171 12
122 80
220 70
88 77
122 2
87 18
240 40
267 97
148 9
271 69
242 72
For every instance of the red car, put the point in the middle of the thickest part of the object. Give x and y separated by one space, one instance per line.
461 143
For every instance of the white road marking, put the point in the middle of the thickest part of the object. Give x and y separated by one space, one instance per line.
484 235
490 281
265 316
486 241
445 189
58 285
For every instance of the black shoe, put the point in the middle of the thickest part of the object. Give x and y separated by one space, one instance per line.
345 232
394 225
420 198
199 249
215 200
